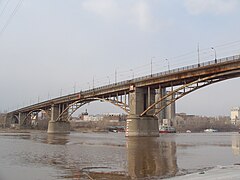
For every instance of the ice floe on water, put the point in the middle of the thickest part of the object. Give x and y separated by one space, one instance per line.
218 173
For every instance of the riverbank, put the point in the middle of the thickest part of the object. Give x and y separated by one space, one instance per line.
12 130
80 130
8 130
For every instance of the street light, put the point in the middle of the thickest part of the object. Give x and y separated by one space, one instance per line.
132 73
151 64
168 64
215 53
198 51
108 79
116 76
74 87
89 87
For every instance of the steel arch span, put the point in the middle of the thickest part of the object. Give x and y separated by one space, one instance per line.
73 107
34 111
188 88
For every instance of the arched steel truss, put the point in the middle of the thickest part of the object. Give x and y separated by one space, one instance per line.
36 111
186 89
73 107
17 117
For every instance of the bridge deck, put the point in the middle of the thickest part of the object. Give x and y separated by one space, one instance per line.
173 77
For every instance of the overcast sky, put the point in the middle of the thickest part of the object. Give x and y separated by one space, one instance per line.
50 47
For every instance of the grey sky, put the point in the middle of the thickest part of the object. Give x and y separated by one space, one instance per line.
52 45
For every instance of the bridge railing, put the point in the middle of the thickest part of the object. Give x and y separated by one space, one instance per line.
226 59
195 66
171 71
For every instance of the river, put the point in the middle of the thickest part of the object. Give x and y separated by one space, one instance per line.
39 156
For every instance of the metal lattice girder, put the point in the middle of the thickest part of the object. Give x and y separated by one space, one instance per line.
118 103
31 112
70 109
188 88
16 116
73 107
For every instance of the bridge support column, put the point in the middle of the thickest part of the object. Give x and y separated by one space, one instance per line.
21 119
161 92
48 114
9 118
62 126
171 109
139 100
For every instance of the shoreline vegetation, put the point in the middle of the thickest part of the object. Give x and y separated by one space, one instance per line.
85 130
182 123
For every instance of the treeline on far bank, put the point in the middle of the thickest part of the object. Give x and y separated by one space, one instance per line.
183 122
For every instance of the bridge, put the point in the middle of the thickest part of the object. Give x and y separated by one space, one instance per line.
145 99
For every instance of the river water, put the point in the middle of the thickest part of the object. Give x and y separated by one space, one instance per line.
39 156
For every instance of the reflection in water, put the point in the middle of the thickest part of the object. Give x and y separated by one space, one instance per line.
60 139
79 158
236 144
112 156
148 157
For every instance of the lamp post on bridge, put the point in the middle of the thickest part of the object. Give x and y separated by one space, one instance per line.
132 73
116 76
108 80
151 63
168 64
215 54
74 88
89 86
198 51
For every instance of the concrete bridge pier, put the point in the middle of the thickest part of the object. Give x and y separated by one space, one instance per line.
161 92
170 111
139 100
58 126
22 119
8 120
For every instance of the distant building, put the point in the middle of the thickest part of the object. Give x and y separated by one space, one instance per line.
235 115
86 117
92 118
110 117
114 117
